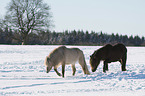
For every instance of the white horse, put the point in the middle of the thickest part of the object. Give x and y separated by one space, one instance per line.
63 56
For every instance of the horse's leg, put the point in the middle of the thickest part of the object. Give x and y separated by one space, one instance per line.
63 69
55 69
105 66
121 63
57 72
73 68
124 62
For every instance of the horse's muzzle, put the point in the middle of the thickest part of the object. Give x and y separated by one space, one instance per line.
93 70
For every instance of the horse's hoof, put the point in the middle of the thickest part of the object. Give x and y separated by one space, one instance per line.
88 73
104 71
59 74
124 70
73 74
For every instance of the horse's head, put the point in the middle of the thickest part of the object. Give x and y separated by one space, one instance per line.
94 62
48 64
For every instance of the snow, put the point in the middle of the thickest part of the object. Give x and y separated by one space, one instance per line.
22 73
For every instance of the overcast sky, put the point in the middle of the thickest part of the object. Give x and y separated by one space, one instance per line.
125 17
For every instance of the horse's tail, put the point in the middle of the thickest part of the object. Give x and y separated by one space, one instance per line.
82 62
125 53
46 62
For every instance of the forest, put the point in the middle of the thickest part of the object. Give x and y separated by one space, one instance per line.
28 22
80 37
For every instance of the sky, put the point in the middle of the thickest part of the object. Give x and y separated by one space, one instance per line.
126 17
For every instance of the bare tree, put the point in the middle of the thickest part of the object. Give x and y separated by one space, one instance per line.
27 16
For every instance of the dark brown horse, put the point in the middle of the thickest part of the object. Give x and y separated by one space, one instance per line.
109 54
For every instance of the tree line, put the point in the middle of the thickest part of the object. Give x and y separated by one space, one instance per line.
7 36
29 21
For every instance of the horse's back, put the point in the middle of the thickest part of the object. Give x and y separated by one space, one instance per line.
112 53
58 52
120 48
68 55
117 52
72 55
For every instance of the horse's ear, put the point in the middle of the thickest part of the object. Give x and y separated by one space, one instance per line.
47 58
90 56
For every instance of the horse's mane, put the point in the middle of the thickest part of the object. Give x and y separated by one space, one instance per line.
55 54
56 51
102 49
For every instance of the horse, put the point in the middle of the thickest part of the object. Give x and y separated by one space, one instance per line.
64 56
108 54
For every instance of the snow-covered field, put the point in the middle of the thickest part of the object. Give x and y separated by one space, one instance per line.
22 72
